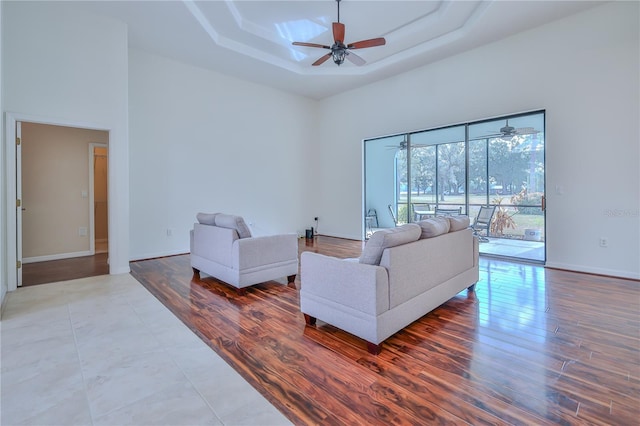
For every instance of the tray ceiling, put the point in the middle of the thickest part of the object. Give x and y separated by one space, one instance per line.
252 39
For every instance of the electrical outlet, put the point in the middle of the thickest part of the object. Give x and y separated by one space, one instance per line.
604 242
82 231
169 232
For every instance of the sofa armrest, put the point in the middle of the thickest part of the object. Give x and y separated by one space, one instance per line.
360 286
255 252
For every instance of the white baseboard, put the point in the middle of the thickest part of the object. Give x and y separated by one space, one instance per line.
59 256
158 254
118 271
598 271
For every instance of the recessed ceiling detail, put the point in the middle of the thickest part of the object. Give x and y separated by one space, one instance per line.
409 28
251 39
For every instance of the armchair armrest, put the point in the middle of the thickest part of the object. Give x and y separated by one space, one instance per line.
255 252
360 286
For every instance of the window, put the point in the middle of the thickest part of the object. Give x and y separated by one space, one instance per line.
490 162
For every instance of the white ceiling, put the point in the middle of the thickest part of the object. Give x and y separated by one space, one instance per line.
252 39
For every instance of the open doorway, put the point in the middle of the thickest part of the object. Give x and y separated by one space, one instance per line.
64 230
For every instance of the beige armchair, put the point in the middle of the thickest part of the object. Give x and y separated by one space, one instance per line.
222 247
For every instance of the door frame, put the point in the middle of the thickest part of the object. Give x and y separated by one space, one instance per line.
92 204
467 203
12 169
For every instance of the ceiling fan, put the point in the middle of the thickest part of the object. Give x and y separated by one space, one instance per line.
403 146
507 131
339 50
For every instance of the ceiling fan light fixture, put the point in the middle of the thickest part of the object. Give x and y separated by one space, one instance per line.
338 55
340 50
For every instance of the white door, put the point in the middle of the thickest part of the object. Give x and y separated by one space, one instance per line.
19 206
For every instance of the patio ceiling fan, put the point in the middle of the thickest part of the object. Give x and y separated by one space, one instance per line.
339 50
508 131
403 145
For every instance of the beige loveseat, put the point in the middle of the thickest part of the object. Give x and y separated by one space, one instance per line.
402 274
222 246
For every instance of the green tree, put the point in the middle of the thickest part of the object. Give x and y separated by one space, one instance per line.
508 164
450 168
423 170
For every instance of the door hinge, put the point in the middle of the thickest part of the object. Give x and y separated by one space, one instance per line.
17 141
18 264
18 203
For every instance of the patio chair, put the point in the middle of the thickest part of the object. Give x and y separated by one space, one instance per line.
420 211
448 212
483 222
371 221
393 215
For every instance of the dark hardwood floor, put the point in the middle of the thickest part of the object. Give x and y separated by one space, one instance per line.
64 269
531 346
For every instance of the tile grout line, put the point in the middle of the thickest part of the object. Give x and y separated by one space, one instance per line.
84 381
165 350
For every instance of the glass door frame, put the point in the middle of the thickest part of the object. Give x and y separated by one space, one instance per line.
530 146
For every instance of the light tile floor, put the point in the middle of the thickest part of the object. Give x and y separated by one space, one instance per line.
104 351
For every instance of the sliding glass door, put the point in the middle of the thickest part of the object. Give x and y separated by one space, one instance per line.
506 170
456 170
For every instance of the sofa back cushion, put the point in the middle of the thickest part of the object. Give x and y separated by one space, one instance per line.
458 223
386 238
233 222
434 226
207 218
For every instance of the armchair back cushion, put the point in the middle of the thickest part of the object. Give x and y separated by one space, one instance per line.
233 222
207 218
386 238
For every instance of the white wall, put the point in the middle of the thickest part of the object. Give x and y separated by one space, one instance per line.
3 196
62 66
205 142
583 70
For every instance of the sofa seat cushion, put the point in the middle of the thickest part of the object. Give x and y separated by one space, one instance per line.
434 226
233 222
386 238
458 223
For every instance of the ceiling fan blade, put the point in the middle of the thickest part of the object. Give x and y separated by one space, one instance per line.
322 59
380 41
338 32
299 43
527 131
355 58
